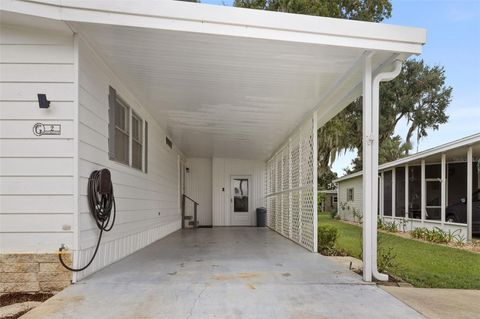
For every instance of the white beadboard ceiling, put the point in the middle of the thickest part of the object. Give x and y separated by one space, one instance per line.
223 96
229 82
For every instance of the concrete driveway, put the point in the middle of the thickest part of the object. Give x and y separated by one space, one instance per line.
223 273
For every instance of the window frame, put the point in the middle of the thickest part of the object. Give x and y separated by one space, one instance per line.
115 102
119 102
352 197
139 141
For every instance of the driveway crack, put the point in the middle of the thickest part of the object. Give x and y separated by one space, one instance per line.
190 312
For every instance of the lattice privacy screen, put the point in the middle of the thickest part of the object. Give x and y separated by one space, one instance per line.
290 189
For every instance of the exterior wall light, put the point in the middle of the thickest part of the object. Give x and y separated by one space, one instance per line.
42 101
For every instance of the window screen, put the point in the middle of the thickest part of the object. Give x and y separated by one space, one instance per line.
122 112
400 192
414 192
387 193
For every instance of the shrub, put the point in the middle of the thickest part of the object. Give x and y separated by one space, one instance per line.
418 233
357 214
385 256
437 235
320 199
380 224
333 214
327 239
391 227
386 259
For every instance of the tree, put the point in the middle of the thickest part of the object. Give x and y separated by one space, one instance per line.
418 95
391 149
336 134
364 10
325 180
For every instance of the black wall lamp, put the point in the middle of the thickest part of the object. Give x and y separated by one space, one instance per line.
42 101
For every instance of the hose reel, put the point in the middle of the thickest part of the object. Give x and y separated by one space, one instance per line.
101 202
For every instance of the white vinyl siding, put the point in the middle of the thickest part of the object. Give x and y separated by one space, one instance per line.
346 206
36 172
147 204
198 186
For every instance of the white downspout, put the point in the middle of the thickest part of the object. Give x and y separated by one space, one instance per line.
385 76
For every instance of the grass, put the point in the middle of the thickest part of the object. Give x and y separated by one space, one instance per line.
419 263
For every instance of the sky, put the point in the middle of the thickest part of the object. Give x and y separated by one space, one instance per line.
453 41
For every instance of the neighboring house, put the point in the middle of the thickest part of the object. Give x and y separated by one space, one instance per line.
175 99
350 195
438 187
329 201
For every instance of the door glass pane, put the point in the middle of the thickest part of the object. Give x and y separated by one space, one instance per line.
240 195
433 193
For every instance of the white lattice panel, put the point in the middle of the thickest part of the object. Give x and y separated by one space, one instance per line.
291 188
286 195
271 177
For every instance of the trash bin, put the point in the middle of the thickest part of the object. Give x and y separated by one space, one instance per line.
261 217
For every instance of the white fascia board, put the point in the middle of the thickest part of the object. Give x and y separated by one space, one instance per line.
347 177
336 100
466 141
228 21
328 191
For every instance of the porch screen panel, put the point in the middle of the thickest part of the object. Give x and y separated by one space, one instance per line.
290 190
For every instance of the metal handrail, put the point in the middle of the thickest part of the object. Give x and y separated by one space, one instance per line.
195 205
191 199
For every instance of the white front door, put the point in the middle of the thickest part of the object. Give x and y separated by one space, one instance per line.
240 203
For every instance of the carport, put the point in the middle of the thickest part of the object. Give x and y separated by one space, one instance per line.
242 84
237 272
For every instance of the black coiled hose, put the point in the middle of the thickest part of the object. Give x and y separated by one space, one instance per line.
100 201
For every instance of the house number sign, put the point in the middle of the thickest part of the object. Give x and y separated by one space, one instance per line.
40 129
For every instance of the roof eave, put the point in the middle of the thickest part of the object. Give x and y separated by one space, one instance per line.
466 141
228 21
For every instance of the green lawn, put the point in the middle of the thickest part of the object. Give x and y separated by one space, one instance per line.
419 263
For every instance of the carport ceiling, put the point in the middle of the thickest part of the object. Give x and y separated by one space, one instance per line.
221 96
232 82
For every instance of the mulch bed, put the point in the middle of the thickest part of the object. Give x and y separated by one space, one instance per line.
17 297
18 315
7 299
473 247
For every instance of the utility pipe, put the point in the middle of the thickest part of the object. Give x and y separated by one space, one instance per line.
384 76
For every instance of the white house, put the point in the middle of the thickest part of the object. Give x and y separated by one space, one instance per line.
330 200
148 89
438 187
